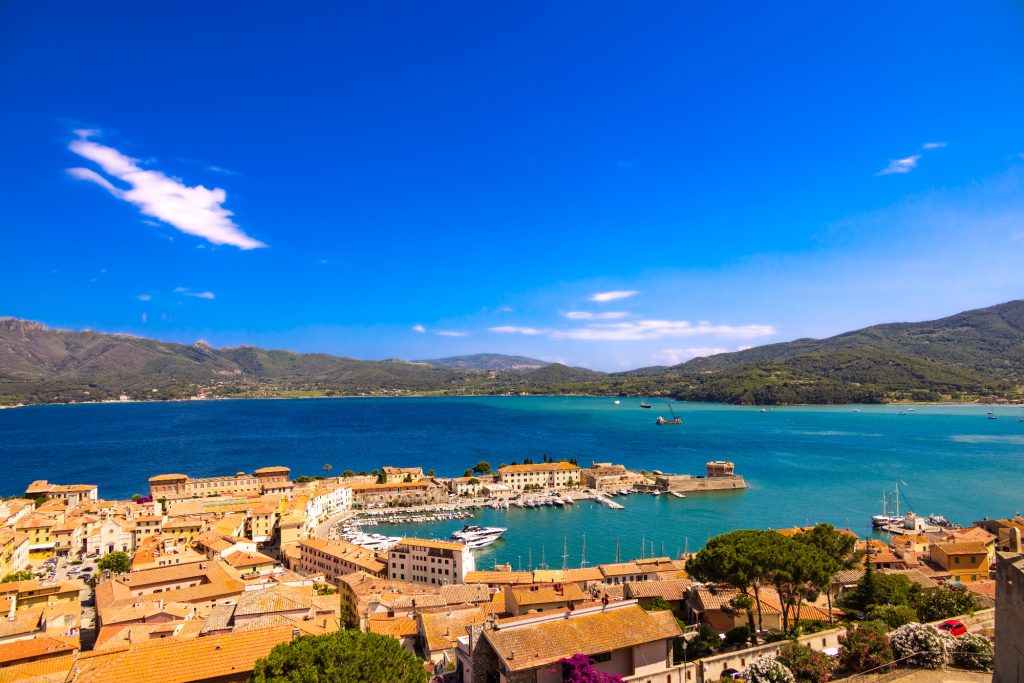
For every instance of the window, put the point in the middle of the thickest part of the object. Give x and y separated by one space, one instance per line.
602 657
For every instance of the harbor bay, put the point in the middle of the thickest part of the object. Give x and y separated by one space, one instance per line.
802 464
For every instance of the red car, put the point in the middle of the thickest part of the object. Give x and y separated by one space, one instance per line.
953 627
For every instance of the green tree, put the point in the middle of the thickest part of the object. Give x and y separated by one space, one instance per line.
342 656
864 647
838 553
945 602
467 473
807 664
348 473
473 481
658 604
431 473
115 562
894 616
482 467
24 575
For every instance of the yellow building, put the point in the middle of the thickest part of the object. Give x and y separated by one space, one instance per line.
965 562
556 475
39 530
13 552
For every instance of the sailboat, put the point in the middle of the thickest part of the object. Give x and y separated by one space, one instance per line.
674 421
645 404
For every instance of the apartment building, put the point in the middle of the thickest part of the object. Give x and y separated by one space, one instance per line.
72 494
334 559
13 552
556 475
394 475
432 562
263 480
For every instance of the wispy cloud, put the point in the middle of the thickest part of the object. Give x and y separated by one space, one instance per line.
904 165
677 356
419 328
506 309
193 210
590 315
451 333
144 297
185 291
934 145
643 330
603 297
514 329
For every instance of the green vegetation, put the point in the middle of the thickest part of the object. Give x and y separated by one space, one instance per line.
482 467
865 647
807 664
974 353
17 576
115 562
342 656
895 600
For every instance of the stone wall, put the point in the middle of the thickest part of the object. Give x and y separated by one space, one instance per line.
1009 618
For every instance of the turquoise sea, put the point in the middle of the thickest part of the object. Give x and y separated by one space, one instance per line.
803 464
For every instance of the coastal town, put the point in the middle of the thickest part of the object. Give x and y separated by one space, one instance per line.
203 577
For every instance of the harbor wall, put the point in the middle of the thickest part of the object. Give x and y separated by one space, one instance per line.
686 483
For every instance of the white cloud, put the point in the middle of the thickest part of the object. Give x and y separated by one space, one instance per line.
197 295
419 328
677 356
145 317
506 309
602 297
590 315
513 329
193 210
451 333
934 145
144 297
643 330
744 347
905 165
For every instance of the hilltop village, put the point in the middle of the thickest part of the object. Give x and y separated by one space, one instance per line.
203 577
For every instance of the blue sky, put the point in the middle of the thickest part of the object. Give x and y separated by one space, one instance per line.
416 180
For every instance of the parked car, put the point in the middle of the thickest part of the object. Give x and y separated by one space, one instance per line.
953 627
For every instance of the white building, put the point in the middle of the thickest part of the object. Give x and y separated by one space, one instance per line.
112 534
324 503
432 562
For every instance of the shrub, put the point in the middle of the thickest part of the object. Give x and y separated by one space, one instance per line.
972 651
864 647
580 669
740 634
768 670
921 645
894 616
807 664
945 602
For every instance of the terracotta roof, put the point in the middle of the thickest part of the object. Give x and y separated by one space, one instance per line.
167 477
271 470
444 625
542 594
429 543
396 485
349 552
540 467
720 597
621 569
181 661
51 669
276 599
503 578
964 548
395 627
667 590
37 646
241 560
459 593
546 639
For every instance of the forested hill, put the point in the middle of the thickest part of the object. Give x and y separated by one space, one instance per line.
971 354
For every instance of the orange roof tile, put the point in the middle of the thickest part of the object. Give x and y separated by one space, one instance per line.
429 543
540 467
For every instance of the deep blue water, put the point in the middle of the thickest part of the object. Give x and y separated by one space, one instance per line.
803 464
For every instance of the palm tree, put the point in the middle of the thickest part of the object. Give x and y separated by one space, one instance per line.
327 471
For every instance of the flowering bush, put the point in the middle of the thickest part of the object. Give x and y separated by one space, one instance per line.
807 664
973 652
768 670
864 648
921 645
580 669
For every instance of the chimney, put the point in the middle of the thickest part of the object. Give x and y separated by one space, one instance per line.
296 633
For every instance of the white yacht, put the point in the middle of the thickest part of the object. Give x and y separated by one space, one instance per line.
478 536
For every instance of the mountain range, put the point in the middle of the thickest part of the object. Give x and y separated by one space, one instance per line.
961 357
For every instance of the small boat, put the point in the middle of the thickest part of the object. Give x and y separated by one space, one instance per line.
674 421
991 416
617 402
645 404
1020 419
655 492
763 410
677 494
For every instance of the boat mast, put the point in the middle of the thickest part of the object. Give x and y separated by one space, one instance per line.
565 553
618 556
583 559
